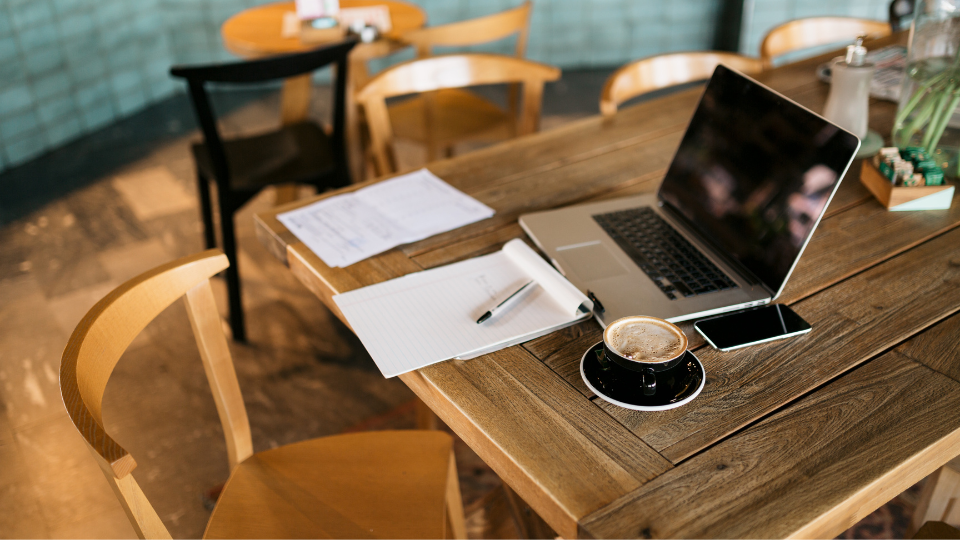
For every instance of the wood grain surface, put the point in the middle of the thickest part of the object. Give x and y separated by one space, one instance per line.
881 365
813 469
935 348
852 322
560 452
830 437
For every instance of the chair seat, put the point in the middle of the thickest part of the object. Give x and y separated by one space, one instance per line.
296 153
386 484
459 115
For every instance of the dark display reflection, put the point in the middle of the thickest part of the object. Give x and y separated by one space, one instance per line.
754 172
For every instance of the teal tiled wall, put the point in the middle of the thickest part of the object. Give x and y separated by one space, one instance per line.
69 67
759 16
578 33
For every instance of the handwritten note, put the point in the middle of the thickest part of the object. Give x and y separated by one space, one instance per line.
348 228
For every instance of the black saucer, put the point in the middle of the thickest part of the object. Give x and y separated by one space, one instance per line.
623 387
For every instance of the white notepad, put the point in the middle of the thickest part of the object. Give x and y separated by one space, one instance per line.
348 228
430 316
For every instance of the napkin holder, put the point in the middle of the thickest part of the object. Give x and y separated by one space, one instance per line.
899 198
323 30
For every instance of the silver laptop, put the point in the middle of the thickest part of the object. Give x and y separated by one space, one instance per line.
752 177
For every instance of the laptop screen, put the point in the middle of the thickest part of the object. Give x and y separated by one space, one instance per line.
754 173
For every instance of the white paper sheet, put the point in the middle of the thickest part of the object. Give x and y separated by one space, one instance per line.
426 317
348 228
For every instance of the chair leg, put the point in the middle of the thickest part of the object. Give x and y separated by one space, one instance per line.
285 193
456 523
940 498
426 419
206 212
233 275
529 524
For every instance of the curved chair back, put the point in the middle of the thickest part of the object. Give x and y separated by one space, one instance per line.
104 334
475 31
450 71
261 70
811 32
656 72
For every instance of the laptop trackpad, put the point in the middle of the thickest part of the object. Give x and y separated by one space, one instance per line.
591 262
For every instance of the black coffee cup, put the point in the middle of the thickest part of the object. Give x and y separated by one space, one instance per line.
646 345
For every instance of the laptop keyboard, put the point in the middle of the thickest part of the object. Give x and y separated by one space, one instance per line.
663 254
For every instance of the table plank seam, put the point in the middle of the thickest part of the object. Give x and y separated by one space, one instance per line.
577 392
933 369
887 257
868 490
577 158
825 383
850 205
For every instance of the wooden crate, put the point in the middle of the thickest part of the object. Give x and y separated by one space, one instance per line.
904 198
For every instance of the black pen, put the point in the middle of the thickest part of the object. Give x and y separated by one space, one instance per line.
505 304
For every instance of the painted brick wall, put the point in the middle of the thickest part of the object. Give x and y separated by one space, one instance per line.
578 33
69 67
759 16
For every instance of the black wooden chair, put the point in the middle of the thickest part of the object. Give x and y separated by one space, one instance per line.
299 153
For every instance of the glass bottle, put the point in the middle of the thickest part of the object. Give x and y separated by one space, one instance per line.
848 102
931 89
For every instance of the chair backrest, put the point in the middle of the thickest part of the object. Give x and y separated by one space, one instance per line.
814 31
258 71
105 333
900 12
475 31
451 71
656 72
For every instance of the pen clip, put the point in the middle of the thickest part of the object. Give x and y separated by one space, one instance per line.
597 306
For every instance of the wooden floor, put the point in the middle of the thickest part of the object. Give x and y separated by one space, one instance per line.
303 373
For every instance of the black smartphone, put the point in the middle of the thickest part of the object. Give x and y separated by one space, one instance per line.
752 326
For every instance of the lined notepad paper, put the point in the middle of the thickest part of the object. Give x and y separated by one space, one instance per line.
426 317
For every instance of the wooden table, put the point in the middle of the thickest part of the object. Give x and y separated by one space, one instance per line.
256 32
801 437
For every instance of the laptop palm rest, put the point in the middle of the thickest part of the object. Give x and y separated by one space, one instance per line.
591 262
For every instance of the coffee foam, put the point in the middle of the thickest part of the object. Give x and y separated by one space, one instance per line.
645 340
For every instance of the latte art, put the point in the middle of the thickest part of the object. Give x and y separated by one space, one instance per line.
645 340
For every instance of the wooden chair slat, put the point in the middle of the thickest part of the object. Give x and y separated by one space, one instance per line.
448 72
814 31
665 70
384 484
475 31
105 332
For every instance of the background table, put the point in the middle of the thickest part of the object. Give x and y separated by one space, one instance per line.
256 32
801 437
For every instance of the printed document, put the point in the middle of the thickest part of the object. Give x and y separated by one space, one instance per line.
348 228
426 317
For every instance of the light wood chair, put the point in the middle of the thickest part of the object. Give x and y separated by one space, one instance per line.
445 72
665 70
440 120
811 32
399 484
940 498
